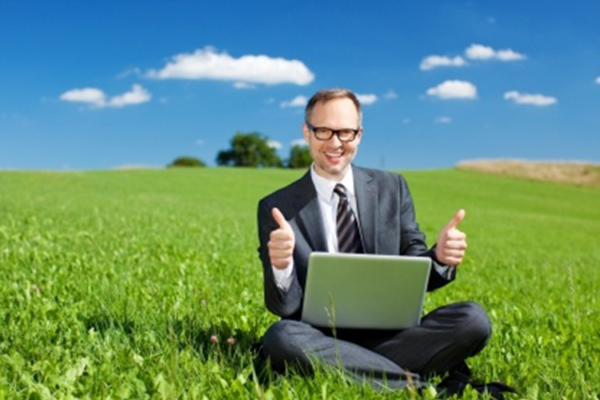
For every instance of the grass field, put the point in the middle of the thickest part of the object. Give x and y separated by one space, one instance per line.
112 283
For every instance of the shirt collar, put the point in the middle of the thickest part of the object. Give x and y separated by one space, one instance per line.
325 186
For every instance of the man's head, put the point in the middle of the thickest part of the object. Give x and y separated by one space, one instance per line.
336 110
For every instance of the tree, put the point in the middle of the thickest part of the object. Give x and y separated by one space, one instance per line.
249 150
187 161
299 157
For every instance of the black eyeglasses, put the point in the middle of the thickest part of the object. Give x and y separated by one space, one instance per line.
324 134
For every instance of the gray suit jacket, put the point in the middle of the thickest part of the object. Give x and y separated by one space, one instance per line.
387 221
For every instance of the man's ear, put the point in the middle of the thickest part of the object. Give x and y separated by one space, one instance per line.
306 132
359 135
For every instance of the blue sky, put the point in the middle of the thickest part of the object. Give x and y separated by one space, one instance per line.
97 85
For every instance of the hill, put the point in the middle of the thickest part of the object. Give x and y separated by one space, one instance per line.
562 172
114 283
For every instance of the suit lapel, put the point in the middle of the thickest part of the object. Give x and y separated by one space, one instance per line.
365 188
309 220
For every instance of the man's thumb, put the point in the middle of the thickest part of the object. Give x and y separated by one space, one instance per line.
460 215
279 218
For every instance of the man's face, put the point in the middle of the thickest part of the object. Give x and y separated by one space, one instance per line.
332 157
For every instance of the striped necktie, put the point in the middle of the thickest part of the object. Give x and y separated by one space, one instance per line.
347 227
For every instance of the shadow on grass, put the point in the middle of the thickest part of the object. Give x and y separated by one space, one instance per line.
210 341
234 347
183 333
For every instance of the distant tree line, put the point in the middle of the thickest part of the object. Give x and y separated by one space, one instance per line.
251 150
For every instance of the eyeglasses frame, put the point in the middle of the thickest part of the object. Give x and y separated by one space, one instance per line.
335 132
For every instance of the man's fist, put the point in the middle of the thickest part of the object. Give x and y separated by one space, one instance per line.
451 243
281 242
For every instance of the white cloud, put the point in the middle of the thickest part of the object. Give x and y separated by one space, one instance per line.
200 142
598 80
137 95
443 120
366 99
243 85
530 99
91 96
298 101
406 121
274 144
434 61
209 64
509 55
390 94
96 98
454 90
481 52
298 142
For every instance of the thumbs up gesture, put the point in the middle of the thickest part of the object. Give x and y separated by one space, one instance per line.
451 243
281 242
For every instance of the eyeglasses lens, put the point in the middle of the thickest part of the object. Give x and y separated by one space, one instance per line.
345 135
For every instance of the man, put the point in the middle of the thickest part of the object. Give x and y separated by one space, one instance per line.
301 218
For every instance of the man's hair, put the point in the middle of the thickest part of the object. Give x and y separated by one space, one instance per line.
325 95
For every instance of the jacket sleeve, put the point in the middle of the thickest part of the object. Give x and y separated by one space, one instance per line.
284 303
413 243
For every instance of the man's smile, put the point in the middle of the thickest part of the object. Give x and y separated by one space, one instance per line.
336 154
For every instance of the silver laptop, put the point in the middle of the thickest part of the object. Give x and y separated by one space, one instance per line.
365 291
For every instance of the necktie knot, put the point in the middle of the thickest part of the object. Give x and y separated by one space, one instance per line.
340 190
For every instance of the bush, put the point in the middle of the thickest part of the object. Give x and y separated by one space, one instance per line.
299 157
249 150
187 161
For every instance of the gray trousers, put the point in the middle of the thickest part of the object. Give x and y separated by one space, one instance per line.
394 359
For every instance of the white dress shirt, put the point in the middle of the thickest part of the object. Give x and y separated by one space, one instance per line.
328 202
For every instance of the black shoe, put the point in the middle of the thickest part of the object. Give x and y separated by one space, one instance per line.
457 382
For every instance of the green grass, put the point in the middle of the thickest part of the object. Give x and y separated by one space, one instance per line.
112 283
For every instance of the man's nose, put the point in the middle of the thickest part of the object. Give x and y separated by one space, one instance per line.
335 140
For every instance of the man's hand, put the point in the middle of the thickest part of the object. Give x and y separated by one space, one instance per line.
281 242
451 243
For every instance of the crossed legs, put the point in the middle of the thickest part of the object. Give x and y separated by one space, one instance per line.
443 340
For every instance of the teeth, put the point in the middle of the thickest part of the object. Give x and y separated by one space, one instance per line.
334 154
